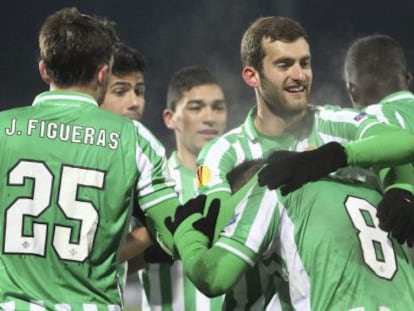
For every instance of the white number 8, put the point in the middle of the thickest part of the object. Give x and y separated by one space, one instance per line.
377 248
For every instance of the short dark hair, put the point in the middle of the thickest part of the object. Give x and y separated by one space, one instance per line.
127 60
185 79
376 61
243 172
73 46
272 27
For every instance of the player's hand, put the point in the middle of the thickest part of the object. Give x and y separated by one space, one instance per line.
193 206
207 224
155 254
290 170
395 213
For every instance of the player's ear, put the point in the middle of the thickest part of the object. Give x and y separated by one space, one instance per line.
169 120
409 80
251 77
353 91
43 72
103 71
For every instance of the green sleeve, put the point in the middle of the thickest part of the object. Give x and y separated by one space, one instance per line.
385 146
212 270
382 145
155 222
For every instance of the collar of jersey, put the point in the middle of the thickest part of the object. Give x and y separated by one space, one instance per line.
64 97
248 125
174 163
173 160
397 96
250 129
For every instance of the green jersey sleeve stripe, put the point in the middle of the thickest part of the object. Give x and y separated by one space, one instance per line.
151 203
328 138
236 252
365 128
218 189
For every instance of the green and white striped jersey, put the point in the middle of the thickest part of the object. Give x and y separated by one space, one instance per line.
322 124
166 287
396 109
67 174
325 240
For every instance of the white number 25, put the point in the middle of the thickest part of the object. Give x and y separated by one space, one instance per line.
16 242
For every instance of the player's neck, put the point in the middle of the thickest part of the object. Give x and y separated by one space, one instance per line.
271 124
80 89
187 158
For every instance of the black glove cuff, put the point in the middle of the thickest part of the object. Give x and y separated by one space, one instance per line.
337 154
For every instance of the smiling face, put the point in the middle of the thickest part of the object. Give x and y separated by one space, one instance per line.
285 80
125 95
200 115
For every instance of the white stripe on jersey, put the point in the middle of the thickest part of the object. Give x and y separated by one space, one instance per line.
114 308
235 252
274 304
262 220
208 192
366 128
160 199
63 307
37 306
328 138
65 97
256 150
401 96
343 116
376 110
400 119
300 286
202 302
177 286
90 307
8 306
150 138
240 157
155 290
145 168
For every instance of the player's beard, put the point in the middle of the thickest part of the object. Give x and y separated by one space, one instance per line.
274 99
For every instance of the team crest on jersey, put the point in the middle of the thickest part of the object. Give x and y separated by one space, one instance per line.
203 176
361 116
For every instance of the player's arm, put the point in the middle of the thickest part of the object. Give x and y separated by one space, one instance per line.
212 270
215 160
380 146
137 241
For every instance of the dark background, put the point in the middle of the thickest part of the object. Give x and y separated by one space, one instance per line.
177 33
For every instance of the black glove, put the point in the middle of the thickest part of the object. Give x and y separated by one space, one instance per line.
207 225
395 213
155 254
192 206
290 170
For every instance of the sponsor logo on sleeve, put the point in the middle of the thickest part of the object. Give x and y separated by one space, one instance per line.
360 116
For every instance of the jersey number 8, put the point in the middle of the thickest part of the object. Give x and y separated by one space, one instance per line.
377 249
